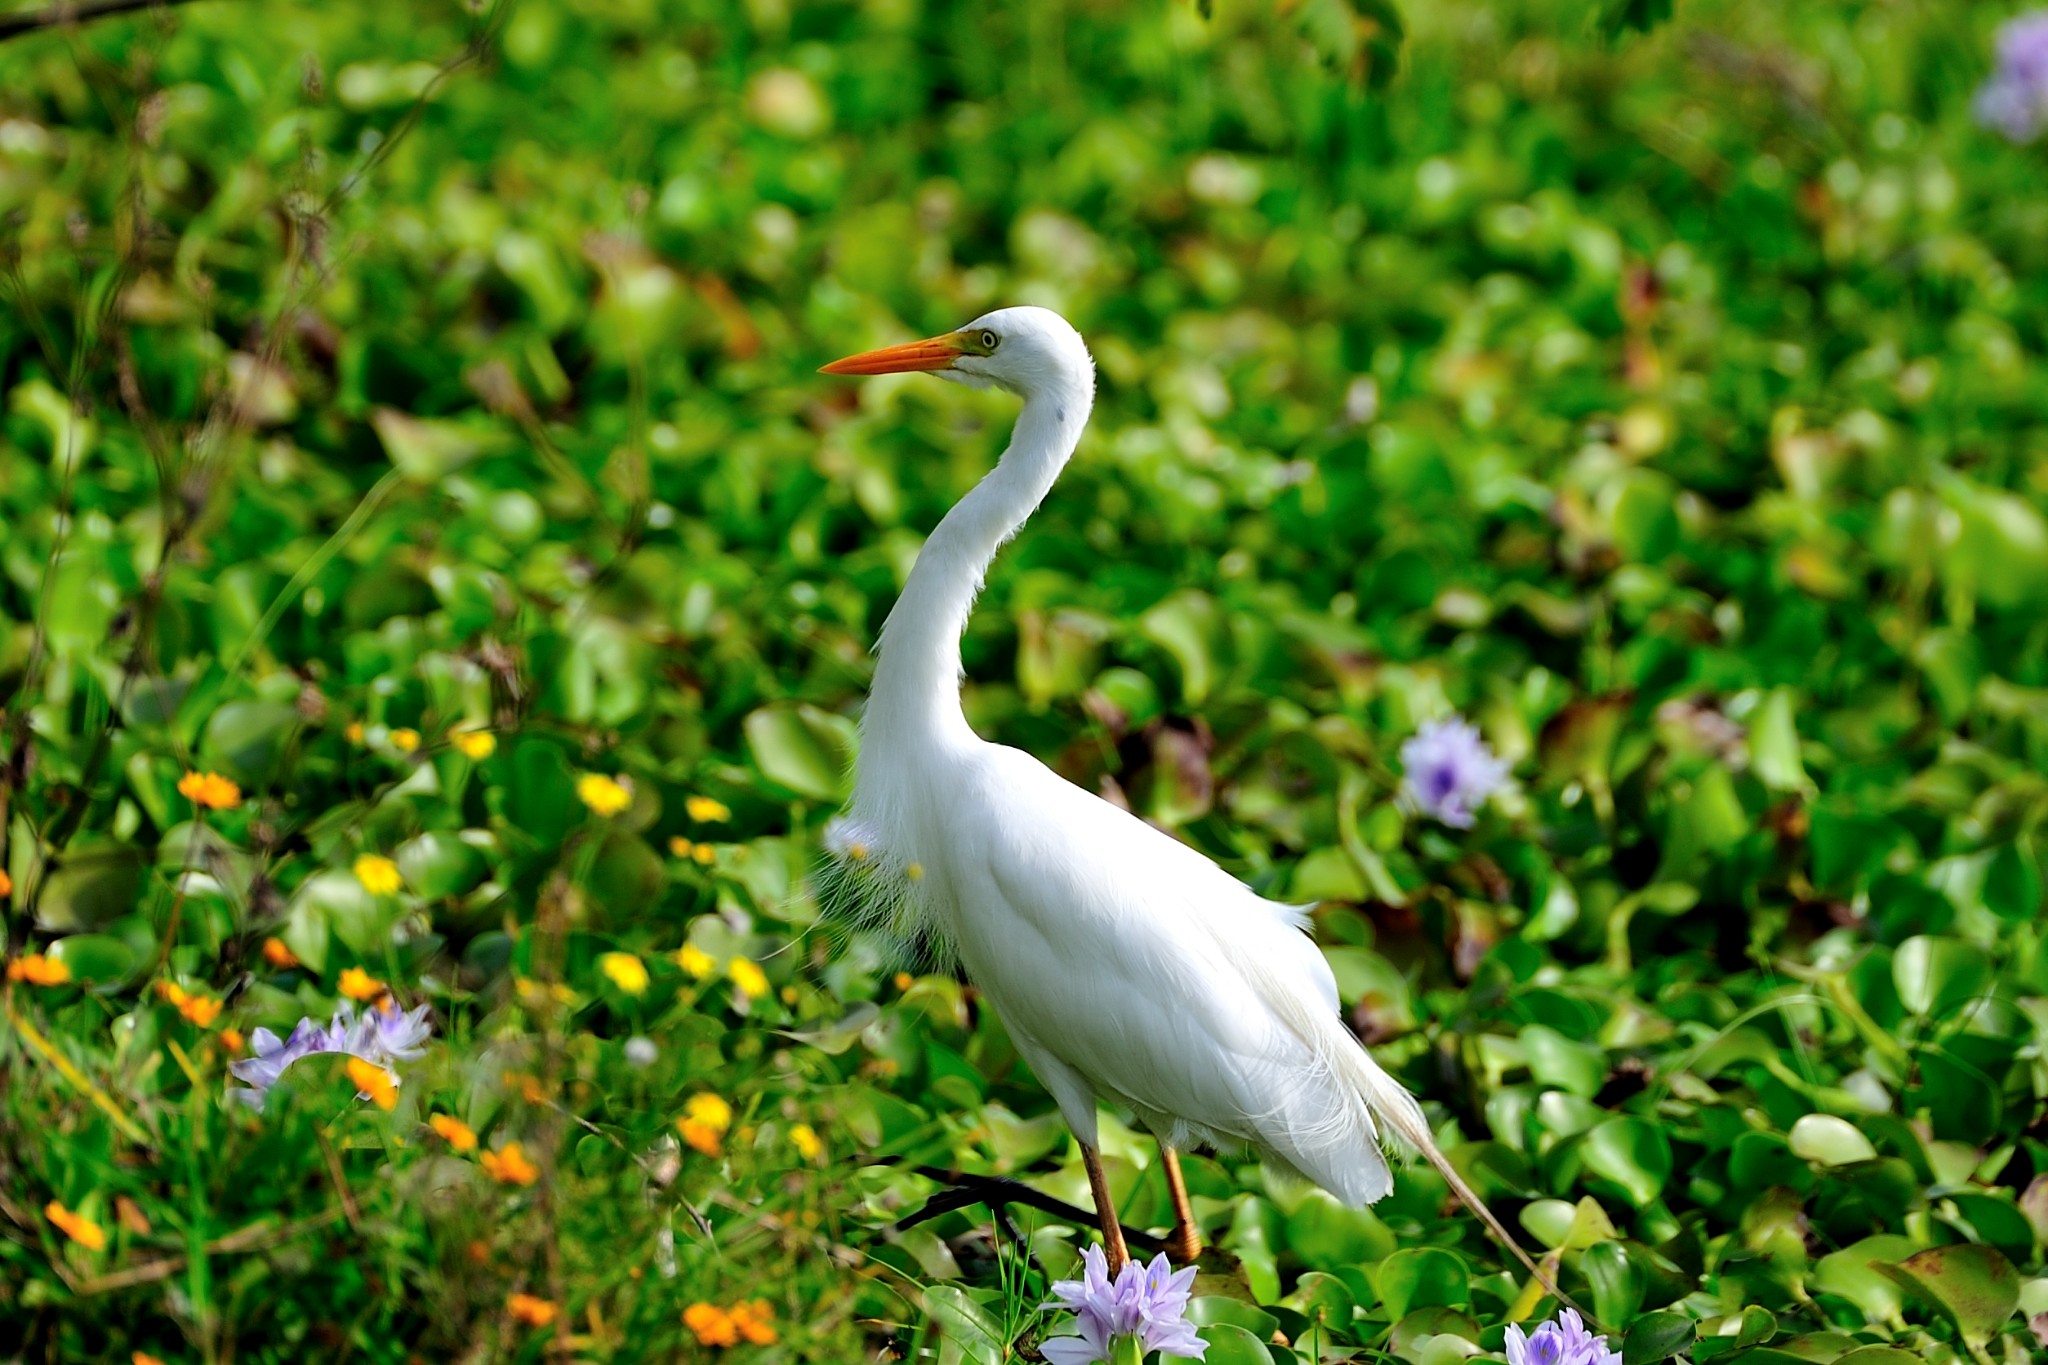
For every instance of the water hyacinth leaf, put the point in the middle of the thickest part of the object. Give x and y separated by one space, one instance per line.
245 739
1633 1155
1230 1344
1187 625
1774 744
94 885
1211 1309
439 866
1657 1336
96 959
1830 1141
1974 1286
1879 1355
841 1034
1325 1301
1421 1277
2013 883
1936 975
1618 1282
1327 1236
1555 1060
967 1325
802 748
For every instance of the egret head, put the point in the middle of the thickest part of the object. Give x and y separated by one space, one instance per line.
1025 350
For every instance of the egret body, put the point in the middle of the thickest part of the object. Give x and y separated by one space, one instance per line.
1126 966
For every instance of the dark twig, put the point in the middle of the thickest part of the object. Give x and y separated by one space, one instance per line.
999 1193
56 16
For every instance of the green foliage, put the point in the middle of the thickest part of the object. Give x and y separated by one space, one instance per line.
409 416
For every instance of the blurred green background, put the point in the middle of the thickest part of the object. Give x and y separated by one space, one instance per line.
1664 392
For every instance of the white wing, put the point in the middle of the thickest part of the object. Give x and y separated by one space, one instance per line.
1129 966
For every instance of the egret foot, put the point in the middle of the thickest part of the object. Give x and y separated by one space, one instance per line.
1184 1243
1105 1212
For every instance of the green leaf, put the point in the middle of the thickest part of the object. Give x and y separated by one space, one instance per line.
1558 1061
1774 744
1830 1141
1208 1309
1974 1286
1421 1277
1326 1235
1657 1336
1936 975
803 749
1230 1344
439 866
1186 626
97 959
967 1324
1631 1153
1619 1284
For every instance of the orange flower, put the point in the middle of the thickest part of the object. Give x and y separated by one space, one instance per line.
712 1324
454 1132
210 790
201 1010
358 984
76 1226
353 732
38 970
376 1082
279 955
143 1358
232 1039
509 1166
6 883
754 1321
702 1136
534 1312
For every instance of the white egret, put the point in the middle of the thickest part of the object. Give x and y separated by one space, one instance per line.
1126 966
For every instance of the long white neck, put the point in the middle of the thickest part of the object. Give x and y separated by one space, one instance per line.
916 691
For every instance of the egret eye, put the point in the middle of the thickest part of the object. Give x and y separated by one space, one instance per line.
989 339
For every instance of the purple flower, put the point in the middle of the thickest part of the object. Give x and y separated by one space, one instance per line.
1561 1341
382 1035
1449 771
2015 100
1144 1307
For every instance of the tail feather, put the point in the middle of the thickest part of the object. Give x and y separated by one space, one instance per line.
1388 1100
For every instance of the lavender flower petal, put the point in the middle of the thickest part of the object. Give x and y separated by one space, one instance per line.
382 1035
1449 772
1147 1303
1562 1341
2014 101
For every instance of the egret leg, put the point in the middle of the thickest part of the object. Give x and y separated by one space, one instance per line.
1105 1211
1184 1243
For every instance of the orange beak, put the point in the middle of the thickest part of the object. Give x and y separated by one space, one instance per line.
933 353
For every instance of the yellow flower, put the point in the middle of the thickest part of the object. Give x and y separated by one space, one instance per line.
404 740
680 846
805 1139
712 1324
754 1321
696 961
748 977
534 1312
705 854
509 1166
476 744
76 1226
210 790
278 955
353 732
378 874
904 981
915 872
709 1110
358 984
38 970
373 1080
626 971
707 810
605 796
454 1132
